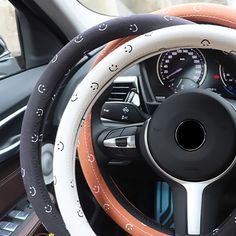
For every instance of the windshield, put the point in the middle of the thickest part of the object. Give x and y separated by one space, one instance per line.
127 7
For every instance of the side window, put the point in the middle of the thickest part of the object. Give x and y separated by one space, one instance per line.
10 51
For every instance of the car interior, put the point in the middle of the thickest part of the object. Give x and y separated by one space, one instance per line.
117 117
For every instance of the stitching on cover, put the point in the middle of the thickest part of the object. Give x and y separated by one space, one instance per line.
101 185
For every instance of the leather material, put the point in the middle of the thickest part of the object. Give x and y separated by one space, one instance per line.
202 12
72 121
44 95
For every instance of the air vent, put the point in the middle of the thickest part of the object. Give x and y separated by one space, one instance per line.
122 87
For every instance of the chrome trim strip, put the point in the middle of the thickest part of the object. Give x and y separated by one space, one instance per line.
9 148
194 206
111 143
5 121
194 190
126 79
13 115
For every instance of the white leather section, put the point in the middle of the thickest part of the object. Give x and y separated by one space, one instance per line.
140 48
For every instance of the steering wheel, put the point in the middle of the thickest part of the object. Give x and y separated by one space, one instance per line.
45 93
31 132
191 171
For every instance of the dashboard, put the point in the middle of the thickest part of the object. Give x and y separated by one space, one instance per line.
180 69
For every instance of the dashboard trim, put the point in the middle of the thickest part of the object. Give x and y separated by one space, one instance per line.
12 116
9 148
4 122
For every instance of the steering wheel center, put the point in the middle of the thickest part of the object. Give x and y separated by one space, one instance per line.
190 135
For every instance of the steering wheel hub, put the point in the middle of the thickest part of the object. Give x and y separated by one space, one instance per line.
191 135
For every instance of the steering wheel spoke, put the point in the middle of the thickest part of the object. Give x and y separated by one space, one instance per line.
196 207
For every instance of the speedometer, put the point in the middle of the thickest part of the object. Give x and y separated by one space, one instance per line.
181 69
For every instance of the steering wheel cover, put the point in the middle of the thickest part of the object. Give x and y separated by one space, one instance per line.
30 155
196 12
44 94
204 12
201 12
102 75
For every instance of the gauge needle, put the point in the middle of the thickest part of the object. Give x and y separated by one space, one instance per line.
179 83
174 73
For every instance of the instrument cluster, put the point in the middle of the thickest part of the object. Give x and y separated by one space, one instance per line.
181 69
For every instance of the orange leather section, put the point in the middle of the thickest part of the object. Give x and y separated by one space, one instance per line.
101 191
202 12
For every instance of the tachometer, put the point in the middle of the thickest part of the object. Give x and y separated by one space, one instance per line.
181 69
